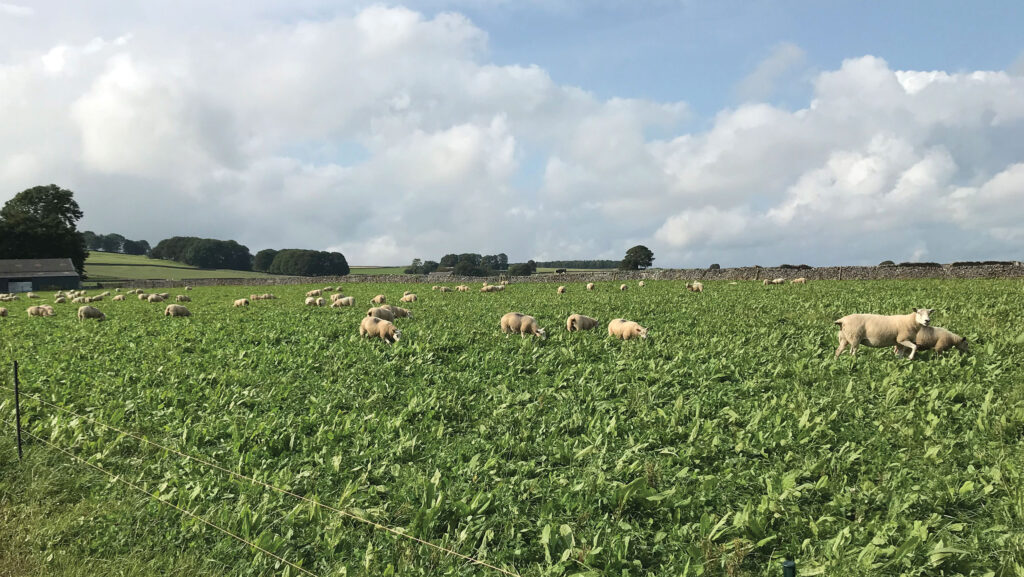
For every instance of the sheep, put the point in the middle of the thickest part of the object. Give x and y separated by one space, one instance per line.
434 288
165 296
801 280
626 330
188 288
379 300
90 313
444 289
623 287
267 296
580 323
779 281
320 302
344 302
409 298
561 290
142 296
79 300
254 297
937 338
462 288
116 298
241 302
176 311
766 282
492 289
377 327
311 301
31 295
105 294
49 310
399 312
695 287
406 293
882 330
37 312
381 313
155 298
590 286
3 312
336 296
522 324
60 300
314 293
641 284
96 298
328 289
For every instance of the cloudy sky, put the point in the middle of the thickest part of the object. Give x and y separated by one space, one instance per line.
754 132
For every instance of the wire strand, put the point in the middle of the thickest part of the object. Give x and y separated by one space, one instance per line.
168 503
352 516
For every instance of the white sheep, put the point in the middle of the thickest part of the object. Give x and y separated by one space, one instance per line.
241 302
336 296
183 299
938 339
695 286
142 296
320 302
462 288
623 287
381 313
116 298
626 330
882 330
155 298
314 293
580 323
377 327
344 302
779 281
801 280
379 300
3 312
311 301
31 295
176 311
164 296
90 313
444 289
188 288
561 290
38 312
409 298
590 286
522 324
641 284
60 300
399 312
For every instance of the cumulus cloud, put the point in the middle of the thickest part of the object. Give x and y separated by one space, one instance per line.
389 134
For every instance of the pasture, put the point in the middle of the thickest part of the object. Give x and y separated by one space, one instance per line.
726 441
107 267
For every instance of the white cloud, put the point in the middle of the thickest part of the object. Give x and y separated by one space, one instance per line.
16 10
777 66
391 135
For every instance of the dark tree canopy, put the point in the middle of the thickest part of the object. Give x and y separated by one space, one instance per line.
637 258
114 242
580 263
204 252
449 260
263 259
40 222
299 262
520 269
140 247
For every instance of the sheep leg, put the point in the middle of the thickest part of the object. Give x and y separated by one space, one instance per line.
842 345
910 345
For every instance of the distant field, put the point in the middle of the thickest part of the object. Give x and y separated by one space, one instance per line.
102 266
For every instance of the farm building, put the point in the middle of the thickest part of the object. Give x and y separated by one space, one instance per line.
33 274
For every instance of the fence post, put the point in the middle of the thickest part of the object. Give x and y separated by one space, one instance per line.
17 409
788 568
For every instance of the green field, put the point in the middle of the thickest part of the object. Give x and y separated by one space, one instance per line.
377 269
108 267
727 440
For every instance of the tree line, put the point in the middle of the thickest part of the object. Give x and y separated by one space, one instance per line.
473 264
114 243
300 262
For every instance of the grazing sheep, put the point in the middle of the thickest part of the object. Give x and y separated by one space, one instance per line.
626 330
254 297
580 323
882 330
60 300
379 300
766 282
267 296
105 294
398 312
462 288
590 286
155 298
188 288
522 324
118 289
937 338
492 289
176 311
37 312
800 280
623 287
409 298
79 300
641 284
49 310
504 283
378 327
406 293
779 281
328 289
381 313
315 293
96 298
695 287
444 289
142 296
434 288
561 290
116 298
320 302
3 312
344 302
90 313
241 302
31 295
336 296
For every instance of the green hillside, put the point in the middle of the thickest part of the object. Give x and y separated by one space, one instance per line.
106 267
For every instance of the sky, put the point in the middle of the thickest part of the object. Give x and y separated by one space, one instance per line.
739 133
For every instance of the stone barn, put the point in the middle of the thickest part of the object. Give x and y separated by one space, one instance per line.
20 275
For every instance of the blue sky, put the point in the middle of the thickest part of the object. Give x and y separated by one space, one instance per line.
729 132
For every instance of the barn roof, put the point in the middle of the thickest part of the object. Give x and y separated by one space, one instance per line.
36 267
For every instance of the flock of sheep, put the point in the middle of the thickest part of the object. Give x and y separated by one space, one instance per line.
904 333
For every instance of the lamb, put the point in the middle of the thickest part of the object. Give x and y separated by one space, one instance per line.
377 327
623 287
311 301
3 312
320 302
801 280
462 288
344 302
90 313
336 296
561 290
406 293
590 286
381 313
328 289
315 293
641 284
164 296
937 338
409 298
105 294
434 288
399 312
241 302
267 296
96 298
31 295
779 281
522 324
116 298
379 300
176 311
155 298
444 289
49 310
255 297
695 287
60 300
882 330
580 323
626 330
142 296
37 312
188 288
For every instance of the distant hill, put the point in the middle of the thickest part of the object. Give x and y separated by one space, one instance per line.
109 266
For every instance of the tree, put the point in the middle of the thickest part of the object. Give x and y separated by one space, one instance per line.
40 222
449 260
263 259
298 262
638 257
533 265
92 240
135 247
521 269
430 266
112 242
415 268
502 261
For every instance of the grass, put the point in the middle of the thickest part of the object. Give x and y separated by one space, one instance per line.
377 269
106 267
726 441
